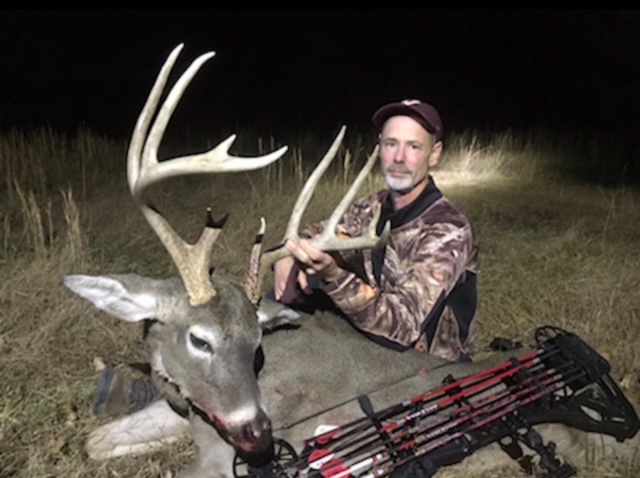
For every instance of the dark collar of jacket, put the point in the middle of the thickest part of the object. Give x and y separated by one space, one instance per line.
400 217
411 211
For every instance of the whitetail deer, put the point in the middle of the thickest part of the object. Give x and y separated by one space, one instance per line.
204 339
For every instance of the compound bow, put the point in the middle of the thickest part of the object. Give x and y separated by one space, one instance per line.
559 382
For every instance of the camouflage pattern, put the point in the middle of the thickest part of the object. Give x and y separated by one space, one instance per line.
425 259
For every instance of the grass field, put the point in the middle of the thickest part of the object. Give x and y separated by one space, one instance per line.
557 218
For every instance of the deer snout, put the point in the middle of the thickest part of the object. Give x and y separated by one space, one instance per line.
249 434
255 436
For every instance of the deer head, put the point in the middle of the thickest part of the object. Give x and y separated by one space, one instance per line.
202 331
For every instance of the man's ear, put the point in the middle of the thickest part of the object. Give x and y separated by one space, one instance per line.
436 152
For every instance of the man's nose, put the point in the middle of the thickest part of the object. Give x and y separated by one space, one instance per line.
400 154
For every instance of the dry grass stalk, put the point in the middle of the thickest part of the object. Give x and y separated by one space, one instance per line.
74 237
32 217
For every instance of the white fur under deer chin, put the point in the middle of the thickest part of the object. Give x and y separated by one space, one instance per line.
142 432
158 366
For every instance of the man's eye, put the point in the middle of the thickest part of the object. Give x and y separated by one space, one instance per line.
200 344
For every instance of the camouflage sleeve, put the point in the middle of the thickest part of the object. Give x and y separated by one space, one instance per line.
312 230
398 309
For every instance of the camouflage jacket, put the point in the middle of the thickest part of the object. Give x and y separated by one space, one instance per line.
420 290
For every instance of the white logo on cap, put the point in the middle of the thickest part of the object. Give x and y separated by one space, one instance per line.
411 102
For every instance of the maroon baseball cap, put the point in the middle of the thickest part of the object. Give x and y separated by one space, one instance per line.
423 113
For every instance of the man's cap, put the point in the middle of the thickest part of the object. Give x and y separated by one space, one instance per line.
424 113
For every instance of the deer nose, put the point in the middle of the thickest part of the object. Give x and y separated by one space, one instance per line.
261 450
258 432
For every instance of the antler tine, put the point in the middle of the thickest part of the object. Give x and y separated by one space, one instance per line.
144 170
139 136
309 187
327 240
252 277
215 160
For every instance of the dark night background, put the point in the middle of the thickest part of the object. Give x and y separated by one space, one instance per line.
296 70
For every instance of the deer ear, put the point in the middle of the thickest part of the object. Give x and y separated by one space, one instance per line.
112 295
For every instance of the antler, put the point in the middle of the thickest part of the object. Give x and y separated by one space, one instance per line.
326 241
144 170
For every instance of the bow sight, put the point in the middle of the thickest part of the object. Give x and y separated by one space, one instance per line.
562 381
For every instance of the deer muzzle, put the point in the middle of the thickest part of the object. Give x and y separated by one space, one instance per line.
250 437
256 436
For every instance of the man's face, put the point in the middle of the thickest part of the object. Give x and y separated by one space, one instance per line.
407 151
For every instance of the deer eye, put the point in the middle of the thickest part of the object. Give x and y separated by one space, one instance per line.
200 344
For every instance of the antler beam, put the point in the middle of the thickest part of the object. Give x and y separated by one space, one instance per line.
144 170
327 240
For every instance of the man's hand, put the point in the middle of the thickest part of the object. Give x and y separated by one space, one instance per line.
287 278
312 260
290 273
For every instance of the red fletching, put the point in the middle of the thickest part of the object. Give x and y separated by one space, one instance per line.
318 455
333 467
326 437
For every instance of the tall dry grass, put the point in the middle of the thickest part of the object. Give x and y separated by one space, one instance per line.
553 251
